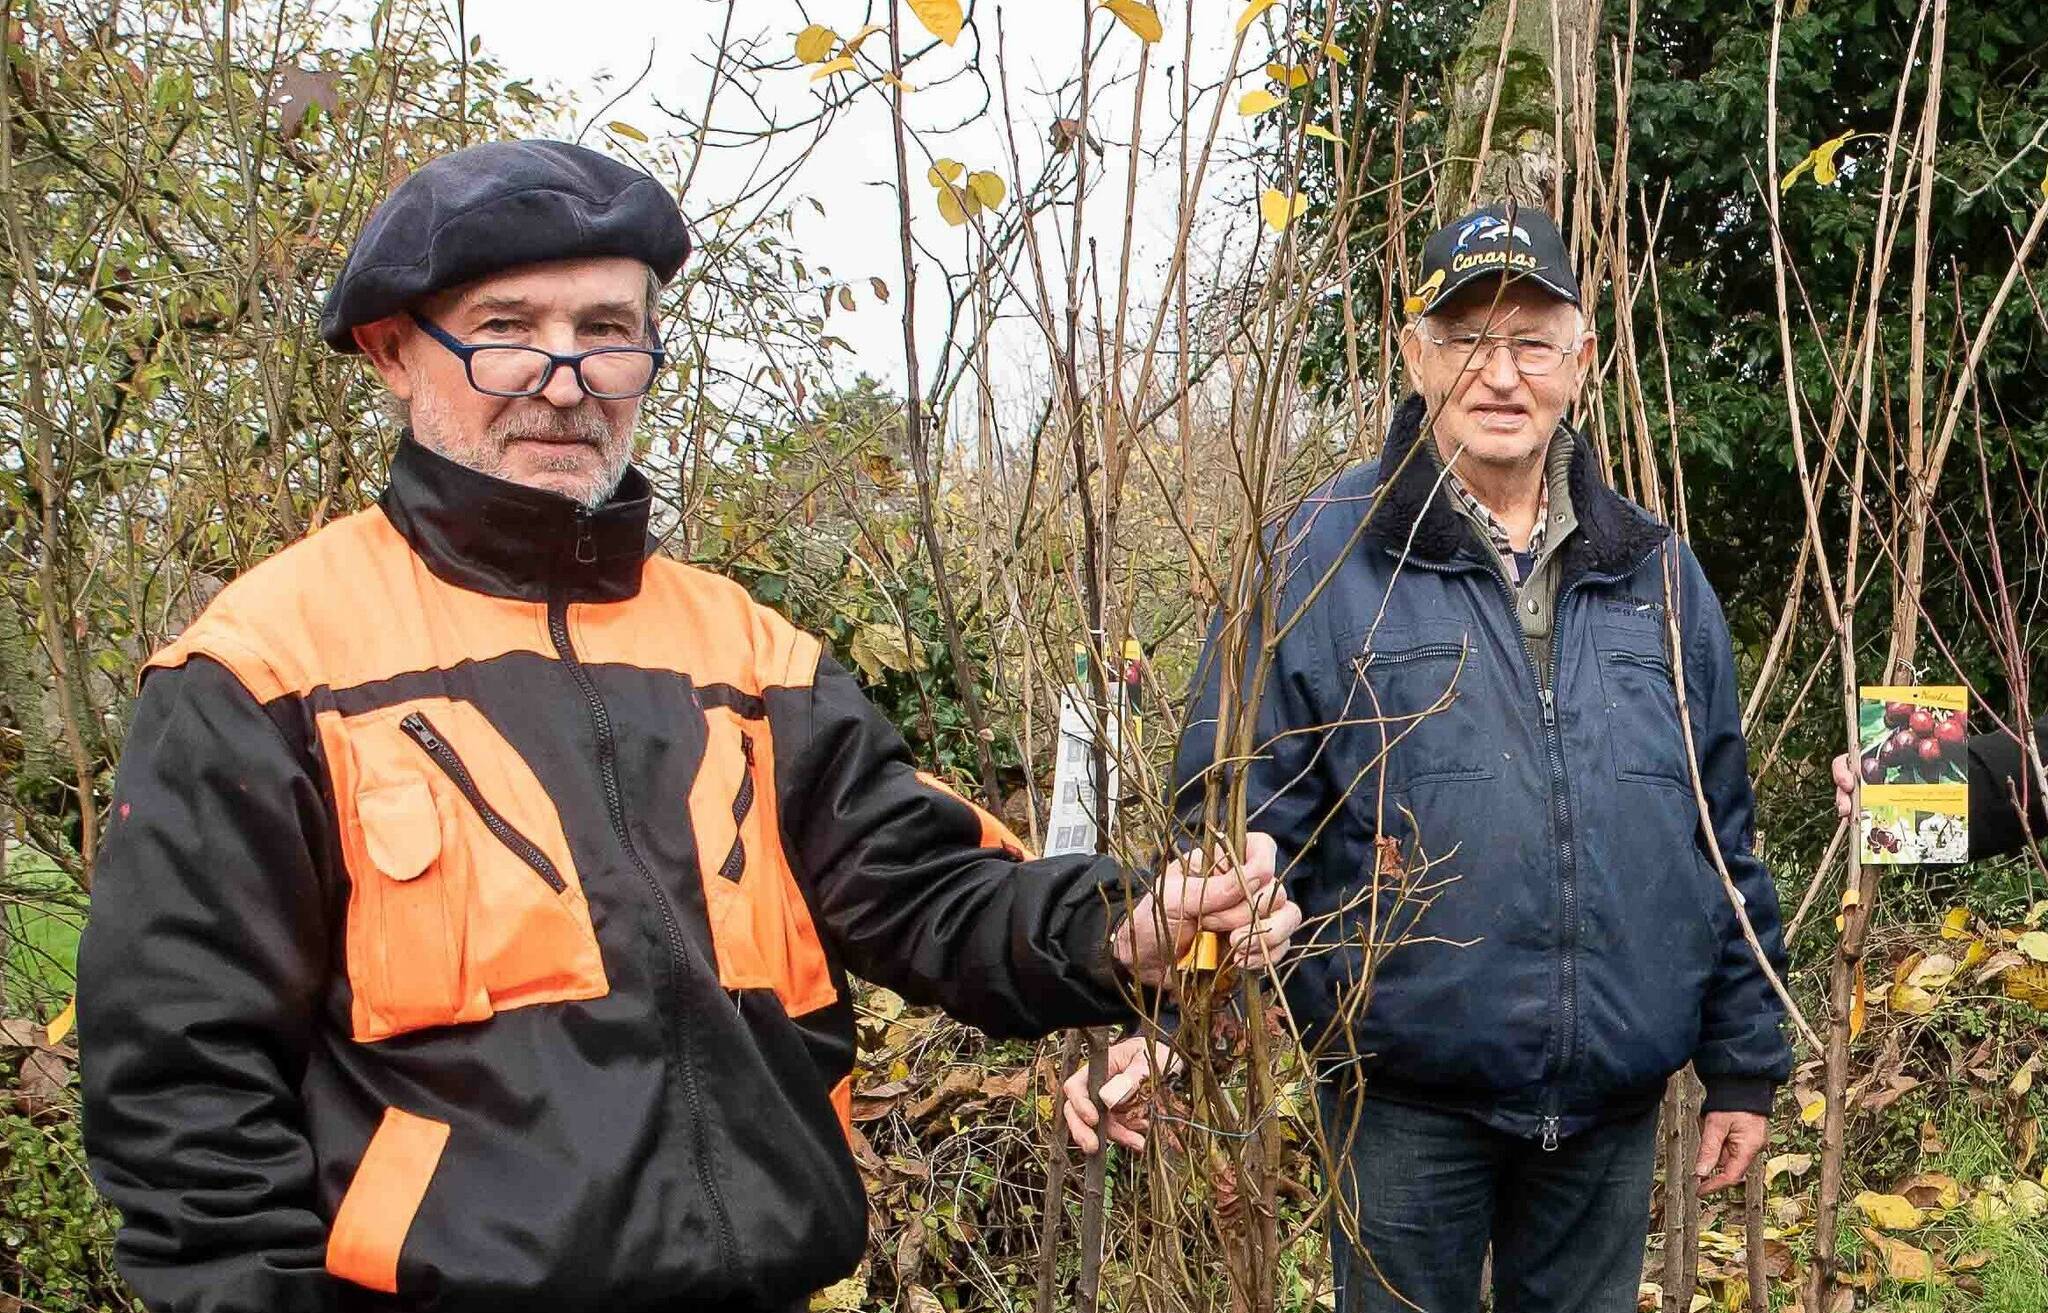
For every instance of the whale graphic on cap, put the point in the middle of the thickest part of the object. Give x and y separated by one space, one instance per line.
1486 228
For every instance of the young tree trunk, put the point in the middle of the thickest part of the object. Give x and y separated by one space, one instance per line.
1513 93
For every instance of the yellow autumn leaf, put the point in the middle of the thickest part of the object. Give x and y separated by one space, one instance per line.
843 64
1859 1004
944 171
626 130
61 1024
1975 953
1851 896
1911 1000
1140 18
1416 300
1933 972
1279 209
1318 130
1956 924
852 46
846 1296
1794 1165
1336 52
1891 1211
942 18
2023 1079
1815 1108
890 79
2034 944
1820 161
1902 1262
1288 75
1251 13
952 208
814 43
1931 1191
2028 984
987 188
1257 102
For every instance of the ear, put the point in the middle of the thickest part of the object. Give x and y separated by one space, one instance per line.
382 340
1589 350
1411 352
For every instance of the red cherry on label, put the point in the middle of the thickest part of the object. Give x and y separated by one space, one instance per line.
1929 749
1897 713
1951 731
1873 771
1921 722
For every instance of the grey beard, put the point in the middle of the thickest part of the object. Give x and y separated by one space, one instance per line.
486 455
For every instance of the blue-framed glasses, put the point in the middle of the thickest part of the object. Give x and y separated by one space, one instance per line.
610 373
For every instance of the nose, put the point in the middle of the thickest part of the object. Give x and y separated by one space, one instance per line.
1500 372
564 389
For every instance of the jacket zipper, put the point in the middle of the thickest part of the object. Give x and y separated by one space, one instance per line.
678 950
1567 866
735 864
421 730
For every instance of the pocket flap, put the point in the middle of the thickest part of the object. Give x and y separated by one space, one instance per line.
401 828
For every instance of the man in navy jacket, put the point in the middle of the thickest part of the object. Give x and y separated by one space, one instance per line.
1470 751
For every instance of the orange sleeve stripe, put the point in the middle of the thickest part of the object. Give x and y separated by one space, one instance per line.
375 1214
842 1104
994 834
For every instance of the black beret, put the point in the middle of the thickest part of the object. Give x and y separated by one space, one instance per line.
496 206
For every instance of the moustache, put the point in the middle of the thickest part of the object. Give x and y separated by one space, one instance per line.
581 424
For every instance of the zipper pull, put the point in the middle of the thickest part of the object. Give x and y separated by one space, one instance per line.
1550 1135
586 542
416 725
1549 707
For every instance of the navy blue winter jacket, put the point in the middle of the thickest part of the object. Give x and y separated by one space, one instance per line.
1553 940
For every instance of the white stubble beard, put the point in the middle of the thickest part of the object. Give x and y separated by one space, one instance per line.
432 426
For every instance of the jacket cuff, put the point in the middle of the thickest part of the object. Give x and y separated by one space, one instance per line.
1738 1094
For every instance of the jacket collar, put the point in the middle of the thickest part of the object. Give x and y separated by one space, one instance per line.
490 536
1416 513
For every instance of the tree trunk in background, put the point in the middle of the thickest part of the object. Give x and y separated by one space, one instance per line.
1514 92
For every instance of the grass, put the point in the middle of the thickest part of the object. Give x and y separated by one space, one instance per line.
44 913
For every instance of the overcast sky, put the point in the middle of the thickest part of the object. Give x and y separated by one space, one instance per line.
593 49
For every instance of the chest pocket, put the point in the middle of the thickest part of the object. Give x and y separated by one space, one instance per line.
761 927
1418 694
464 900
1640 700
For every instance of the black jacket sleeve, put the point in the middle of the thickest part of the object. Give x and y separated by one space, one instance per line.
2001 782
198 981
1743 1054
913 894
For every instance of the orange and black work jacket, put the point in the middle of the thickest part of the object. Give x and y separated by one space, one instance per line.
474 918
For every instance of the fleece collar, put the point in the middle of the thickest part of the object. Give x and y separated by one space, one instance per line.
1416 512
491 536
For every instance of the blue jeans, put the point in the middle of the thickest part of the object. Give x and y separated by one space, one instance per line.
1433 1188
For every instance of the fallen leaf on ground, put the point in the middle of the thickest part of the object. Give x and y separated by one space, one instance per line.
1890 1211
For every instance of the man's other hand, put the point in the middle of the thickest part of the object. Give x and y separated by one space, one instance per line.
1126 1092
1245 901
1728 1142
1845 786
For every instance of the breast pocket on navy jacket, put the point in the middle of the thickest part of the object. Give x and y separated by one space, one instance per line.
1640 700
1418 700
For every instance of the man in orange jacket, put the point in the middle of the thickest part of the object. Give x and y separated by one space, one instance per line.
474 922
